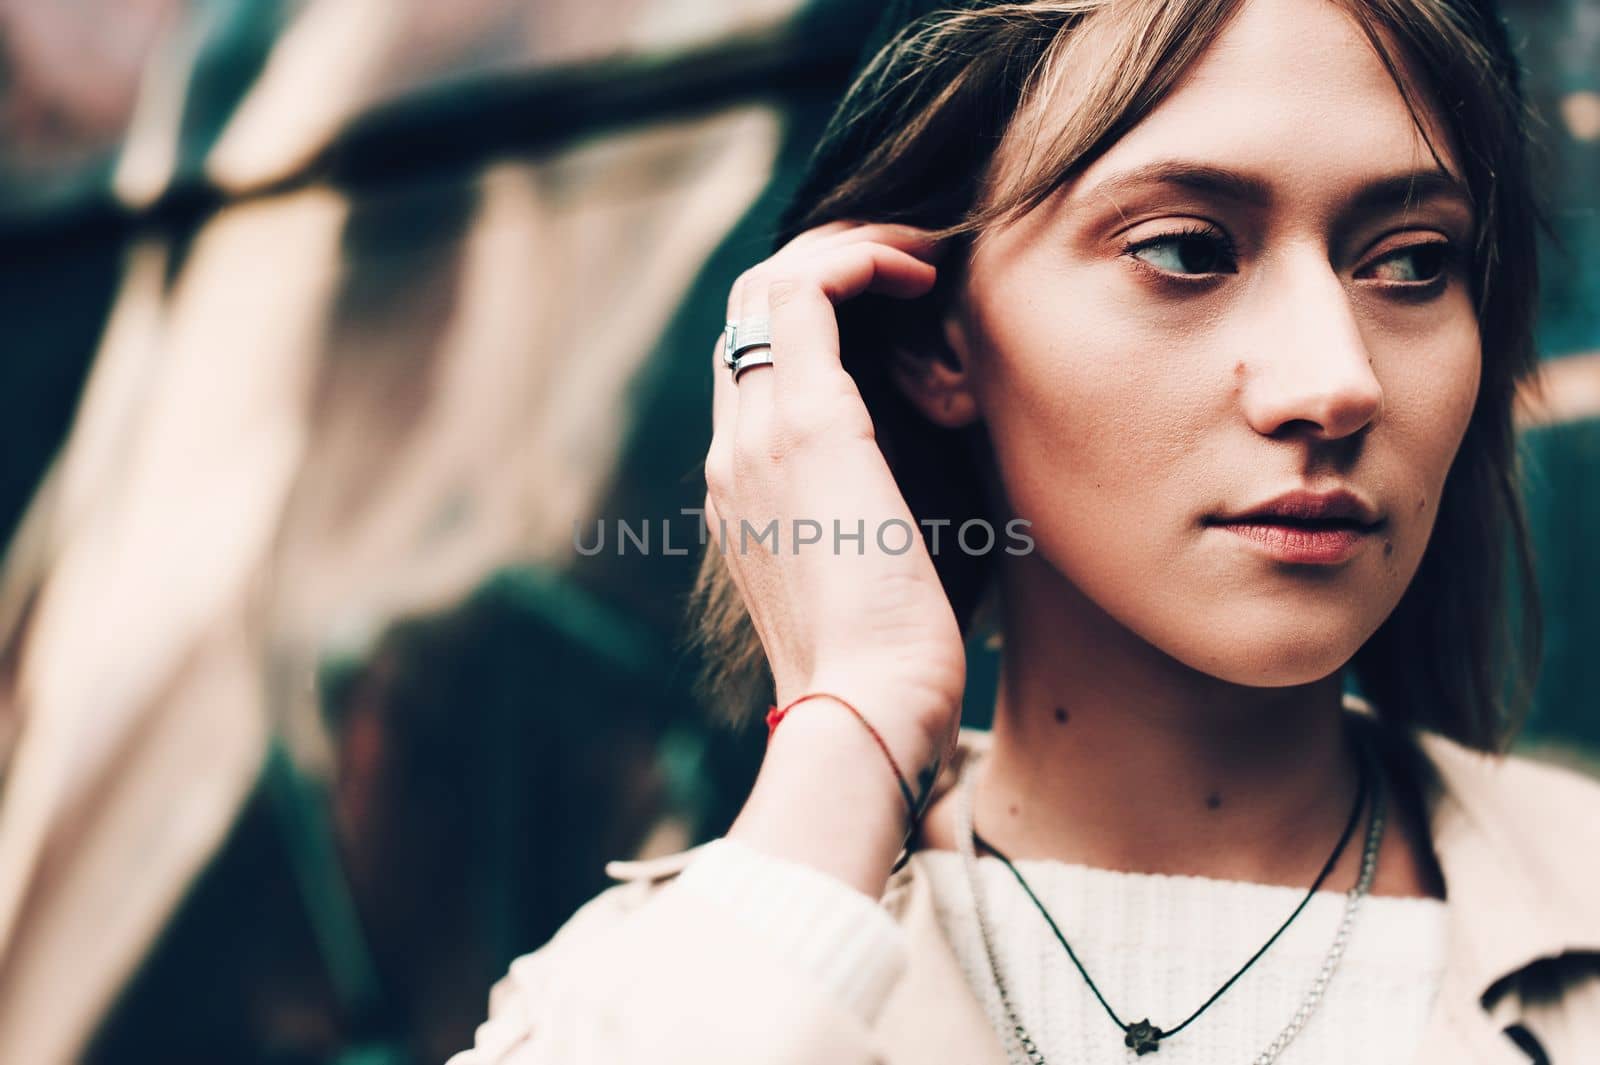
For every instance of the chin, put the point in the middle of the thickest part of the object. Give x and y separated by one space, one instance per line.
1285 654
1279 673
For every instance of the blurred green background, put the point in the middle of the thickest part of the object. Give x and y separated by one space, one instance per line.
323 322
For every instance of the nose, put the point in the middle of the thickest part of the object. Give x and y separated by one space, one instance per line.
1310 372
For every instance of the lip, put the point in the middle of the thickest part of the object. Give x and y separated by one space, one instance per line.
1279 526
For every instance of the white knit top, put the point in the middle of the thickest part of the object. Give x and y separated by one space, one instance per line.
1157 947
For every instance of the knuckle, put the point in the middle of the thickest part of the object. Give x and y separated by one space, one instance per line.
719 474
754 278
846 428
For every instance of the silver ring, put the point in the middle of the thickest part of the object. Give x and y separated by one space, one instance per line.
761 357
740 337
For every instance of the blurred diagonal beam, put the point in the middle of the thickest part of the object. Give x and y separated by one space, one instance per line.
465 125
456 126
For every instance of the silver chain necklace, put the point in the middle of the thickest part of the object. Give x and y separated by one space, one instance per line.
1313 997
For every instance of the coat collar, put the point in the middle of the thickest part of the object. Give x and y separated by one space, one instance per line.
1519 857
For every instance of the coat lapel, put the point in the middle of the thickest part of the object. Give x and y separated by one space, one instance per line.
1459 1033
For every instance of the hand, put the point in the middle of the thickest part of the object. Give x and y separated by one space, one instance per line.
792 443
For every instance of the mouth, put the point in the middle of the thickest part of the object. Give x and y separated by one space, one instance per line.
1303 542
1307 527
1288 522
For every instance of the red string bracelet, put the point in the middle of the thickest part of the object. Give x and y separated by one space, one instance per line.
776 714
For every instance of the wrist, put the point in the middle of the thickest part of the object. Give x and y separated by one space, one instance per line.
917 723
827 797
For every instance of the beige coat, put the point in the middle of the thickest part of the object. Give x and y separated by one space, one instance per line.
641 975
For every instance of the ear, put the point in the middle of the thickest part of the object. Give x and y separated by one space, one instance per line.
934 372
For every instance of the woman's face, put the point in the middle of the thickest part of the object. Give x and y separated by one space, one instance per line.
1233 303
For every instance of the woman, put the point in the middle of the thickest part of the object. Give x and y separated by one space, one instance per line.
1225 303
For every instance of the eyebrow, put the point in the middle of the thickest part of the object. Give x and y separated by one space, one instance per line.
1394 191
1401 190
1210 180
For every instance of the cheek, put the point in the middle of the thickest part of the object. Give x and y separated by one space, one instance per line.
1430 390
1093 393
1094 420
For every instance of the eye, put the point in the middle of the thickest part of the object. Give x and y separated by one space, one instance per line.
1193 252
1419 265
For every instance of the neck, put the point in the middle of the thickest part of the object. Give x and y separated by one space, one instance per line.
1107 752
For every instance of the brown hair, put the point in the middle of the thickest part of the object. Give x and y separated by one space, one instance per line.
915 140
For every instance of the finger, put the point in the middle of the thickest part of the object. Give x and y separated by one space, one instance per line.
848 270
818 233
734 290
753 387
912 240
844 262
805 325
746 303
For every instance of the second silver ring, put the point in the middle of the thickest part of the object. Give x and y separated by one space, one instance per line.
761 356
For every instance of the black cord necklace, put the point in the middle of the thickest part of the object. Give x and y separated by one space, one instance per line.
1142 1036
